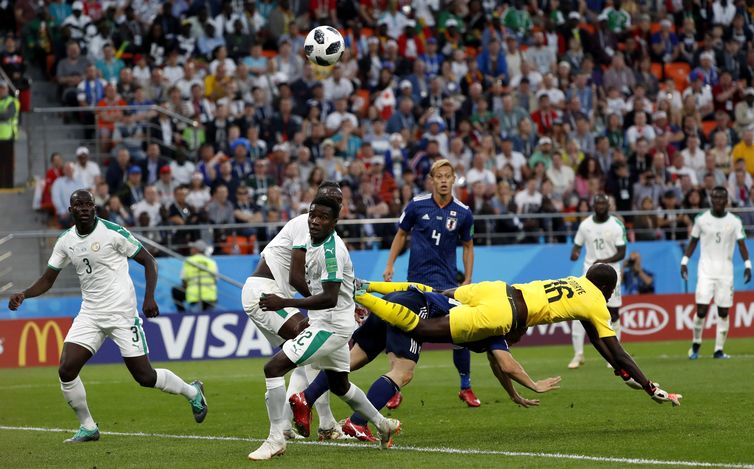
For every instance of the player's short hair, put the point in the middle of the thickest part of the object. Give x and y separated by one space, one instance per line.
441 164
81 193
720 189
601 196
602 276
328 184
329 202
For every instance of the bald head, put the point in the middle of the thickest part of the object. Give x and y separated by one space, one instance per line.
603 277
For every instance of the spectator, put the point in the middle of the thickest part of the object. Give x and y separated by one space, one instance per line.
166 186
744 150
636 279
132 191
61 192
181 213
109 66
529 200
87 172
152 165
53 173
151 205
116 212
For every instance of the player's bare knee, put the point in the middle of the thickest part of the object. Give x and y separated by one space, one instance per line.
701 311
67 373
723 312
146 378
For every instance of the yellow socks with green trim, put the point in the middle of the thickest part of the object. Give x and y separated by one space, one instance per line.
384 288
392 313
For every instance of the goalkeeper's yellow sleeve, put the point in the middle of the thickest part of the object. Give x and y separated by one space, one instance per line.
384 288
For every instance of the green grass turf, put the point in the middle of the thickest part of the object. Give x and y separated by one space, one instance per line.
593 414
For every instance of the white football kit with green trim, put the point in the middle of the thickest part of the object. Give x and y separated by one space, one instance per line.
108 307
717 240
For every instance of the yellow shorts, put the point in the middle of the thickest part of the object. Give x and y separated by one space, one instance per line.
490 315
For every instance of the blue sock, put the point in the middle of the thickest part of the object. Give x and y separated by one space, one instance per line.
381 391
316 388
462 361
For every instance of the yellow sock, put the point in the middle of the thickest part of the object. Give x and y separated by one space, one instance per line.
393 313
384 288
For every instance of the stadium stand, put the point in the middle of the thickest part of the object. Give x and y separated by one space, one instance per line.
196 113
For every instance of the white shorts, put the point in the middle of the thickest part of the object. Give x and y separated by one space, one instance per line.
268 322
321 348
126 332
719 289
615 301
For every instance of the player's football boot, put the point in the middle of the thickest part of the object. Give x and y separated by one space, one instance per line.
269 449
84 435
291 434
719 354
395 401
360 287
577 361
334 433
360 432
390 427
694 351
199 403
302 413
468 396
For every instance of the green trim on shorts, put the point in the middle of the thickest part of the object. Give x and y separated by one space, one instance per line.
141 334
282 313
317 342
54 268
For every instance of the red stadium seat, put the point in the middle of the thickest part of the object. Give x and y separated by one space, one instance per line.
707 127
657 70
679 72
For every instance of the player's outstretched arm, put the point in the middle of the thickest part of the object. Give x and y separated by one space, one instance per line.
39 287
325 300
297 274
395 248
686 255
507 384
149 305
745 256
505 362
611 349
575 252
468 260
619 255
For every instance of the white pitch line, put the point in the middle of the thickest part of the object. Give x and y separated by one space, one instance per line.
418 449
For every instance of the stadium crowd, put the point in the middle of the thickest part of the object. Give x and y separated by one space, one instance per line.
538 105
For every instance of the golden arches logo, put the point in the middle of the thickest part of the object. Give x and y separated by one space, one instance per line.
40 335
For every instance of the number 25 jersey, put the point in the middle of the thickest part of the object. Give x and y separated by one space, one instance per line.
101 262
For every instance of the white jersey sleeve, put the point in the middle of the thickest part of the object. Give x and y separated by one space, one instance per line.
126 244
579 240
59 258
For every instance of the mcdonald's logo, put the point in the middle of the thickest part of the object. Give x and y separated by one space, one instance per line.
40 335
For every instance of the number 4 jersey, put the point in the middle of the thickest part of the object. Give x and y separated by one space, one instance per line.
101 262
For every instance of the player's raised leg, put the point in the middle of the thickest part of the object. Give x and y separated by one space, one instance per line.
72 359
462 362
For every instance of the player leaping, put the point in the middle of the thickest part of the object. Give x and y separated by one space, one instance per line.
495 308
99 251
719 230
324 343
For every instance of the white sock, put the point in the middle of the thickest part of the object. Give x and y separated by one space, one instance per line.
723 324
616 327
169 382
75 395
322 405
275 401
698 328
358 401
577 337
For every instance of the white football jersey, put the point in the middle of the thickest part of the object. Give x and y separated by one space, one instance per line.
601 240
277 253
330 262
101 262
717 237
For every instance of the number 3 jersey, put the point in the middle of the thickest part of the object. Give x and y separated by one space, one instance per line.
101 262
601 240
718 238
326 262
435 232
550 301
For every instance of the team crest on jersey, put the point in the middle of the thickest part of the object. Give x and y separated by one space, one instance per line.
453 213
451 223
95 246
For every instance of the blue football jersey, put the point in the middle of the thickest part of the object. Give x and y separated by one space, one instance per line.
435 232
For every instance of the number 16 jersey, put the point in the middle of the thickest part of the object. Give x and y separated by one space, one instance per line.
101 262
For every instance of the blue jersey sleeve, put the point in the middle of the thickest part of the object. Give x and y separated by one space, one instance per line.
408 217
467 229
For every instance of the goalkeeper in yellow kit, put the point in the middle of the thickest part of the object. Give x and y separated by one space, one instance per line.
490 309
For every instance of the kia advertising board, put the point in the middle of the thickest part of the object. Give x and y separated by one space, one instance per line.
37 342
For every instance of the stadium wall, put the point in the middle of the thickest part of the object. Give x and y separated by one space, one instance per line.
514 263
217 335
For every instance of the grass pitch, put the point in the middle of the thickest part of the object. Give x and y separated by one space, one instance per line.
594 420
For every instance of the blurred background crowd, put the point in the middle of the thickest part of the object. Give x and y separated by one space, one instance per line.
538 105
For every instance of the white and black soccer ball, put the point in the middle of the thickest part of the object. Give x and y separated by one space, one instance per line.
324 46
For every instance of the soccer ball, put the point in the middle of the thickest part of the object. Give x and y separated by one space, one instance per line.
324 46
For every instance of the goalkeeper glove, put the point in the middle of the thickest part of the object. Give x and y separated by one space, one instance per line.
660 396
630 382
